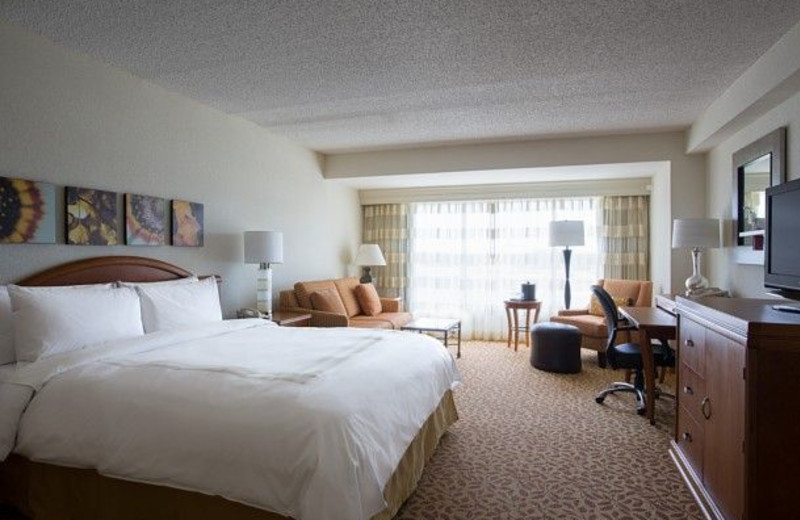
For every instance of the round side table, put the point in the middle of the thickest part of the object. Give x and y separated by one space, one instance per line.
512 312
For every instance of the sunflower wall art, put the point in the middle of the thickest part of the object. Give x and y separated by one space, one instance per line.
91 217
187 224
145 220
27 212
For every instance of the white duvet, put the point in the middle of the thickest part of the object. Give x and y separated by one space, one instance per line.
308 423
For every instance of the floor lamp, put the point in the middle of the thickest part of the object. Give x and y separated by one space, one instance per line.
566 233
263 248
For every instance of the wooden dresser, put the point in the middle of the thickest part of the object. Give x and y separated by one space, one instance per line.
737 438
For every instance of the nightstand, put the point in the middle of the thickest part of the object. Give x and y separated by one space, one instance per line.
291 319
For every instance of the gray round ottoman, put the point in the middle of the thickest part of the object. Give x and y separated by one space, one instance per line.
556 347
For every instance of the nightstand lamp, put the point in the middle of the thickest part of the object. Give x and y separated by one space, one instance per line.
695 234
263 248
369 255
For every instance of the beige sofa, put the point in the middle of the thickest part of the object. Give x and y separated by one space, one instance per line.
299 300
593 327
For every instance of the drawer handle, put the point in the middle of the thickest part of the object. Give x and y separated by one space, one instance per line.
689 343
688 390
705 408
687 437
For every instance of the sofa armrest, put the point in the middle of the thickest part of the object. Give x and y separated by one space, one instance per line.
392 304
320 318
573 312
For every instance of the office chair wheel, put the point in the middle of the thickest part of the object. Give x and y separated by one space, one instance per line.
641 411
599 400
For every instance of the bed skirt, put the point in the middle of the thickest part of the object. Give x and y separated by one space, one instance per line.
49 492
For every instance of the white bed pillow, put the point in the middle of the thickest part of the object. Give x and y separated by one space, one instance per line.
51 320
179 305
6 328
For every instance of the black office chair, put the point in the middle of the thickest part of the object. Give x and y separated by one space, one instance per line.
627 355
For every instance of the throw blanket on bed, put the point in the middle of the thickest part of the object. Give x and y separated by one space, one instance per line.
307 423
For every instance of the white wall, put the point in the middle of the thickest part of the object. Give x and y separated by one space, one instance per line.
67 119
678 191
746 280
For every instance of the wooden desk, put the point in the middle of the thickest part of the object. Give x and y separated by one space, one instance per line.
653 323
514 328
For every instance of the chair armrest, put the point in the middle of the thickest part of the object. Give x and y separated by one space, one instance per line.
392 304
573 312
320 318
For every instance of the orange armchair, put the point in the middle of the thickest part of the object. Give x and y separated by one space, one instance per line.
593 326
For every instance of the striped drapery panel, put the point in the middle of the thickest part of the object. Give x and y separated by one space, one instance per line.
625 237
387 226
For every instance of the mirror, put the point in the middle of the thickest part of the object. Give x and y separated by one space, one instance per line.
756 167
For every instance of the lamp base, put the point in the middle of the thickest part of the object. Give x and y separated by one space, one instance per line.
697 283
264 290
367 277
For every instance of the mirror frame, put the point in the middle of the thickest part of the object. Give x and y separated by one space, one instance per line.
773 143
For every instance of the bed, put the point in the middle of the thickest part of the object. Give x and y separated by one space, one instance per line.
236 419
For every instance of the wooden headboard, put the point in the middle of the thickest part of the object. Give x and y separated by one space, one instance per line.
106 269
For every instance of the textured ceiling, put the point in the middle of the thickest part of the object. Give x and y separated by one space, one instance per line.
359 74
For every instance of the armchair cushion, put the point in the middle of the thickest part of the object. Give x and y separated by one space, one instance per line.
368 299
392 304
597 310
639 292
328 300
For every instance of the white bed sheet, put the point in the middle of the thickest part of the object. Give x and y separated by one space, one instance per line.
308 423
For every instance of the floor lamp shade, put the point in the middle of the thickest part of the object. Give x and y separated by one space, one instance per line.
566 233
695 234
263 248
367 256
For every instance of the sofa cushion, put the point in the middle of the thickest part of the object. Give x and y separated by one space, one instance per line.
370 322
303 291
368 299
327 300
384 320
346 288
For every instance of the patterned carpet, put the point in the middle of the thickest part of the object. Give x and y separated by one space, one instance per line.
535 445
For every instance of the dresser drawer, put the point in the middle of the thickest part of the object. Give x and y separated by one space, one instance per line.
690 439
691 392
691 347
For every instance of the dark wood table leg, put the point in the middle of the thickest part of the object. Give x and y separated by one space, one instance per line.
649 373
528 327
516 330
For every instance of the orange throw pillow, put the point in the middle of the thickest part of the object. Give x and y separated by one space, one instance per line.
368 299
597 309
328 300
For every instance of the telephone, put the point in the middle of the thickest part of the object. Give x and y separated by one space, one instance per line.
248 312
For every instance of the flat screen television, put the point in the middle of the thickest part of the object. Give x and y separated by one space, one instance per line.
782 239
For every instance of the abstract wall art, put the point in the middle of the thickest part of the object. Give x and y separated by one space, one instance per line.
91 217
27 212
145 220
187 224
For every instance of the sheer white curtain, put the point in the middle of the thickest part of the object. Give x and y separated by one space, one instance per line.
465 258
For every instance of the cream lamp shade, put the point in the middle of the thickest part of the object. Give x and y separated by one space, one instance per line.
369 254
263 247
566 233
693 233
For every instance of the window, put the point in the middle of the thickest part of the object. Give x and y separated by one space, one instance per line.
465 258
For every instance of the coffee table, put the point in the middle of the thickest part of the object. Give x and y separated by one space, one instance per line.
445 326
